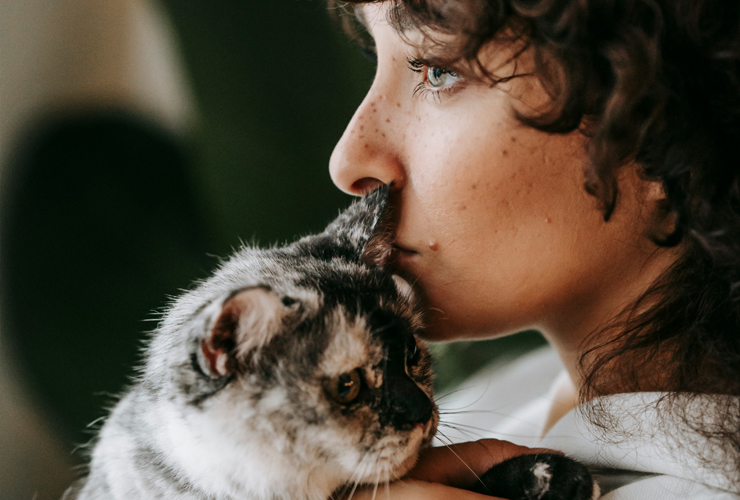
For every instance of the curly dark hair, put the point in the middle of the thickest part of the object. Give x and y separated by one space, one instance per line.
659 83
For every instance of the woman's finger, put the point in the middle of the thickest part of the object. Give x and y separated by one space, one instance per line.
460 465
412 489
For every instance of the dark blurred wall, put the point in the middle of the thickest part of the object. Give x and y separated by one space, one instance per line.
276 82
107 214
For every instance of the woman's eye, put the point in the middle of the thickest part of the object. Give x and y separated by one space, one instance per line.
345 388
438 77
435 80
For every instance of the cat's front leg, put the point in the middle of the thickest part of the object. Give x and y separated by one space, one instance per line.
544 476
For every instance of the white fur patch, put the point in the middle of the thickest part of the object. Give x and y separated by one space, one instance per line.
348 348
543 476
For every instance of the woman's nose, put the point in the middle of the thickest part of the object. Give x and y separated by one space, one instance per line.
366 156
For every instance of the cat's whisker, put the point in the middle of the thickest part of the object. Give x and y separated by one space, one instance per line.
354 488
472 427
377 480
440 398
483 393
489 432
350 481
465 412
449 447
364 465
466 433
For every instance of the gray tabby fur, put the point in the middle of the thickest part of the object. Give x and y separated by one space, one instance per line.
257 423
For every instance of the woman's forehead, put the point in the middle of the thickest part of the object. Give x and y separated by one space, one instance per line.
388 14
502 58
370 15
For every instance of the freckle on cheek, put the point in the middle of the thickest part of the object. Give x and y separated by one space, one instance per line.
398 104
504 152
513 139
474 186
387 120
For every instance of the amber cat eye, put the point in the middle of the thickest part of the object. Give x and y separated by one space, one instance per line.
345 388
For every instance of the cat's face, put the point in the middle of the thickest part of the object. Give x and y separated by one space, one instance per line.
307 369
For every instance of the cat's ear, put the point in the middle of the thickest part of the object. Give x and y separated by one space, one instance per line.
363 229
248 320
377 249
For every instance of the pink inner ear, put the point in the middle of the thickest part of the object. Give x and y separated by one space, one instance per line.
247 321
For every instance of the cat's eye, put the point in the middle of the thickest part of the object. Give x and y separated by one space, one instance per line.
345 388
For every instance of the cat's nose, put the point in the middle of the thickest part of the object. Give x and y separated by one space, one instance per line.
409 405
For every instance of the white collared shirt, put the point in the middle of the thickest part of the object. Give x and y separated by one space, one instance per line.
646 458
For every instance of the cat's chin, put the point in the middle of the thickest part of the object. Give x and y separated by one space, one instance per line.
420 438
408 464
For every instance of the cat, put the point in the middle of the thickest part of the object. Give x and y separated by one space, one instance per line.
293 373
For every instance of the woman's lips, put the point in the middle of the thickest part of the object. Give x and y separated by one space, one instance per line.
402 254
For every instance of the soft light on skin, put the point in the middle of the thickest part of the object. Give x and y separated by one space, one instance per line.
517 242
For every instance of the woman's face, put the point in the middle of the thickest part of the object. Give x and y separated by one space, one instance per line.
495 227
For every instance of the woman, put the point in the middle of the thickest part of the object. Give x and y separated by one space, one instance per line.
569 166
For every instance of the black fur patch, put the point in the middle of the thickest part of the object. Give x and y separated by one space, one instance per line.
545 476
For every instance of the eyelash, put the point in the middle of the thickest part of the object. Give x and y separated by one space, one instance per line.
422 89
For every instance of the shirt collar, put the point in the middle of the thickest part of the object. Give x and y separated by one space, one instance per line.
652 432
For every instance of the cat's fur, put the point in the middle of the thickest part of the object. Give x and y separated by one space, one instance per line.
238 396
233 402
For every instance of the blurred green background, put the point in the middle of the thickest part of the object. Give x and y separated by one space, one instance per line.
105 215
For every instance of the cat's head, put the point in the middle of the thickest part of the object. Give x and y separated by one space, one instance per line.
306 357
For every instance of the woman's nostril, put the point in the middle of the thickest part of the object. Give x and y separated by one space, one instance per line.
366 185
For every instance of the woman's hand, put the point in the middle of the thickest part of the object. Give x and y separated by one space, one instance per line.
444 473
413 489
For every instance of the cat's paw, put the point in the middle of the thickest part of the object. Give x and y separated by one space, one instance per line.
545 476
